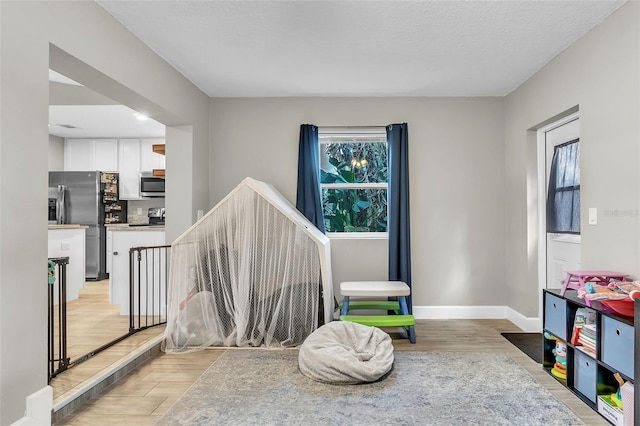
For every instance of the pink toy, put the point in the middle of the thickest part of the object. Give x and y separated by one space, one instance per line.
578 279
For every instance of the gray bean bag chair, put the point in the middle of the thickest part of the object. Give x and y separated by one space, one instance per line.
343 352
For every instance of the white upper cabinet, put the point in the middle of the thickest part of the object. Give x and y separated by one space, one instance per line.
77 155
150 160
105 155
91 154
129 161
128 157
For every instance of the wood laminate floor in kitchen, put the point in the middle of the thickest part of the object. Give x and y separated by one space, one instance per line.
144 395
91 320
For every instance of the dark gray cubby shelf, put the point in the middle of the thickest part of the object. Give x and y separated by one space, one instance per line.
589 376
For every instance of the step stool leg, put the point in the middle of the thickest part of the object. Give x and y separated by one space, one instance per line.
345 306
412 334
404 310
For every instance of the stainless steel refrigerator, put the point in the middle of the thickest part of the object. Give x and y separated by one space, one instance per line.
90 199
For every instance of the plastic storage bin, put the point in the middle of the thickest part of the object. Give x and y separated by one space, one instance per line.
584 379
555 316
617 345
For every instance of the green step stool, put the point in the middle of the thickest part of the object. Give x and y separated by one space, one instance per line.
378 289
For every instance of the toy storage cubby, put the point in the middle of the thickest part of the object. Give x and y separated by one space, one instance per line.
590 374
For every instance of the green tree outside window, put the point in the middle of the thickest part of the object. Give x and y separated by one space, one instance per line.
353 180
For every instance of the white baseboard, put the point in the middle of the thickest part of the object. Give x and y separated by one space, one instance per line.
478 312
459 312
528 324
39 406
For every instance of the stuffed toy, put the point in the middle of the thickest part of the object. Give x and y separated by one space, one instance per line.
51 274
559 369
593 291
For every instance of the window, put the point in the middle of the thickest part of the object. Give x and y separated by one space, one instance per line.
353 179
563 201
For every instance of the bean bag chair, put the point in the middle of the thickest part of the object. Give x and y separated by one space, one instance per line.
343 352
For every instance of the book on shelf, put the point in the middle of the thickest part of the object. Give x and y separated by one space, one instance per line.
610 410
584 330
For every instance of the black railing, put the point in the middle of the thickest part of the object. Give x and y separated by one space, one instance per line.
148 275
57 316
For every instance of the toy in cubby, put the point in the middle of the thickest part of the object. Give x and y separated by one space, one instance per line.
617 397
559 369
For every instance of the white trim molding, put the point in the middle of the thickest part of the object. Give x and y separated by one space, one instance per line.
527 324
478 312
39 407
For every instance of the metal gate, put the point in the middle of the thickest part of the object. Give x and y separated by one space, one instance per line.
148 275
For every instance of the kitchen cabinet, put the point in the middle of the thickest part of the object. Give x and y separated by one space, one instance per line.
150 160
129 159
136 156
122 240
105 155
77 155
69 241
109 250
91 155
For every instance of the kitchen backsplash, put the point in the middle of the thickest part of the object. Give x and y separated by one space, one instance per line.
138 210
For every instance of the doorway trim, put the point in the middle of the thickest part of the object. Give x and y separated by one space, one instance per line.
542 198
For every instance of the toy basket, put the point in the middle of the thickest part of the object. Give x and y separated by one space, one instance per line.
622 307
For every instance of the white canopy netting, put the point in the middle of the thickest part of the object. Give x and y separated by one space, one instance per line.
252 272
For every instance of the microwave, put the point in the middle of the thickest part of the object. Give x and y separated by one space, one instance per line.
150 185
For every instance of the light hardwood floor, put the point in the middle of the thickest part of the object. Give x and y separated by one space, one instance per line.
144 395
91 320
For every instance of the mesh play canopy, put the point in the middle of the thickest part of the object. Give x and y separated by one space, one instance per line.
252 272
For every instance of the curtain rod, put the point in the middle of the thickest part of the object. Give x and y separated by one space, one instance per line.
352 129
356 127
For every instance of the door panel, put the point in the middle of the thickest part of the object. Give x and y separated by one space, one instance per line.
563 251
82 197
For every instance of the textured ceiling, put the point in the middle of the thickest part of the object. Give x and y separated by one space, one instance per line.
359 48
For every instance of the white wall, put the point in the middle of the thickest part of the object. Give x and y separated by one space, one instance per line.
88 45
600 75
457 183
56 153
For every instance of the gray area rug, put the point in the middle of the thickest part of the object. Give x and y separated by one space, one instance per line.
265 387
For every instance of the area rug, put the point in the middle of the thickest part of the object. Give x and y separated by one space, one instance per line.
265 387
529 343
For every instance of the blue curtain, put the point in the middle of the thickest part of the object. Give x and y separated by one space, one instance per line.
308 199
563 198
399 229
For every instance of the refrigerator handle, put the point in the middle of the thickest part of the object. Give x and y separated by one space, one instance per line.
61 214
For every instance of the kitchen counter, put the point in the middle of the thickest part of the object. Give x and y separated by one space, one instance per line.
67 226
126 228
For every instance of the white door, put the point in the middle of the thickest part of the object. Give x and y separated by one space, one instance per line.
563 250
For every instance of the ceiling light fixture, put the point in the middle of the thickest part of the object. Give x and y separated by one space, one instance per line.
141 117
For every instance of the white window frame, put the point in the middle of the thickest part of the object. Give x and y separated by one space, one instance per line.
342 135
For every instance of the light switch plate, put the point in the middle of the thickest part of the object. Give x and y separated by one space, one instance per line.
593 216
